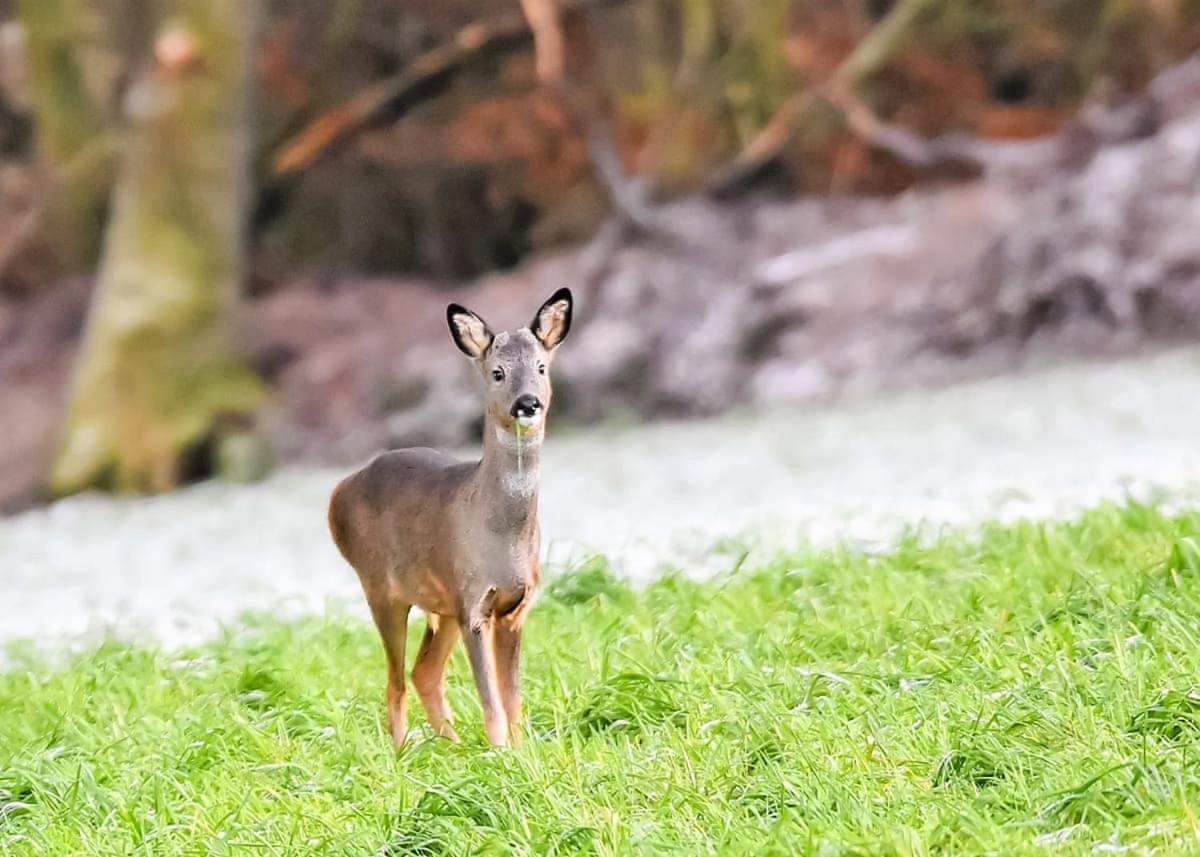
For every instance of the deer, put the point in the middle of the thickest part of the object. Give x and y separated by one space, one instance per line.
460 540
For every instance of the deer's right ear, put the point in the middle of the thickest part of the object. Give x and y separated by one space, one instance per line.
469 332
553 320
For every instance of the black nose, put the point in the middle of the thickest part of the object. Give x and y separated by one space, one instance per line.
526 406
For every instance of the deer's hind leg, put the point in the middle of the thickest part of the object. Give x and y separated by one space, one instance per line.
391 618
429 672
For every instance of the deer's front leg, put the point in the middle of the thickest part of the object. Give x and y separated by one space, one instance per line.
392 620
478 634
508 669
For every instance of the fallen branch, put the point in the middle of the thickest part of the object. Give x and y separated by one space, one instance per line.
868 56
865 243
424 78
584 114
1096 124
905 145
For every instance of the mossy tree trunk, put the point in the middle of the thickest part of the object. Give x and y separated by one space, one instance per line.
71 139
158 373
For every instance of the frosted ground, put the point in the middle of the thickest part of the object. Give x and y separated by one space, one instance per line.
693 495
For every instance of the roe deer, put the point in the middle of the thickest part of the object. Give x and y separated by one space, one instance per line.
460 540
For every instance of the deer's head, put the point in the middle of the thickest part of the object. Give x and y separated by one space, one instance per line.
515 365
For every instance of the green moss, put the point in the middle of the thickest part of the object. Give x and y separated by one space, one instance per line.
71 127
159 370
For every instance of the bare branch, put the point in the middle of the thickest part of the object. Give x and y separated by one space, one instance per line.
765 147
870 55
911 148
544 17
424 78
585 114
1096 123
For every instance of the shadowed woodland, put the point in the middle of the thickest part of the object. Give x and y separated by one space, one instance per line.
228 229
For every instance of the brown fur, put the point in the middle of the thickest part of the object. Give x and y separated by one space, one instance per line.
458 540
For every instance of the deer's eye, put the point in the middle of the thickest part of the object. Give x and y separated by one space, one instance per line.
541 368
497 374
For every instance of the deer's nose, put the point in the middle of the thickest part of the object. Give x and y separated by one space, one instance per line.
526 406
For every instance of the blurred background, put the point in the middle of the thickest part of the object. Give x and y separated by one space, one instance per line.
841 266
228 229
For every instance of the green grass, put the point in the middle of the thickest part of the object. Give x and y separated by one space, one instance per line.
1028 689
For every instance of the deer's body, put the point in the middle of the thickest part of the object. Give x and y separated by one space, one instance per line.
460 540
420 526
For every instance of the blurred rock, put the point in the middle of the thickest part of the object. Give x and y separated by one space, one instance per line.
1101 259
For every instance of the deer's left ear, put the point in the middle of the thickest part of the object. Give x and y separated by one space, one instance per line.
553 320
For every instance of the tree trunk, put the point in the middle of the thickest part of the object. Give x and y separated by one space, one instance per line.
71 139
157 376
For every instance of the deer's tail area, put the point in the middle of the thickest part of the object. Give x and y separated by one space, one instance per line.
338 525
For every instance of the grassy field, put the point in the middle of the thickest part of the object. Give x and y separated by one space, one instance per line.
1028 689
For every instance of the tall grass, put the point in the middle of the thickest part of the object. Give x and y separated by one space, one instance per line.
1030 689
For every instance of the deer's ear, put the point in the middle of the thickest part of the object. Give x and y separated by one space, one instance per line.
469 332
553 320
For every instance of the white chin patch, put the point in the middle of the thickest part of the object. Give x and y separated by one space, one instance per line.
528 422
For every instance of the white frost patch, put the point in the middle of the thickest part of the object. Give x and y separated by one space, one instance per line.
700 496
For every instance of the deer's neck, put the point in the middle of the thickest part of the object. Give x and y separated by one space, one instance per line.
509 475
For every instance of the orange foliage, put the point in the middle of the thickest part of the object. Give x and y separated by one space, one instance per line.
1019 121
